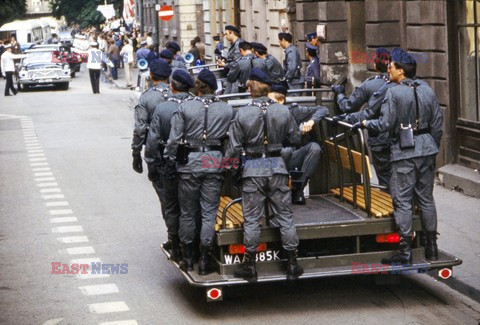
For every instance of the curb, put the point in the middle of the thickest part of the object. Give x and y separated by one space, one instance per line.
461 287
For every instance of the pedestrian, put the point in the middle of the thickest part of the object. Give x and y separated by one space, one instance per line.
8 68
157 138
149 39
114 56
239 72
16 49
127 58
273 66
260 129
412 115
312 75
292 63
232 34
152 54
202 123
194 51
94 65
2 49
201 48
218 47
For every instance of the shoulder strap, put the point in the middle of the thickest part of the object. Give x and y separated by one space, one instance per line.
263 106
206 103
414 86
164 91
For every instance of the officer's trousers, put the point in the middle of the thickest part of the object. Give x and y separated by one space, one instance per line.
199 196
381 163
413 178
304 159
255 192
167 191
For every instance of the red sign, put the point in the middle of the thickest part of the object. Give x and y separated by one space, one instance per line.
165 13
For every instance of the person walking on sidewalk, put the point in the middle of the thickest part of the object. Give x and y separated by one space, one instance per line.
127 58
8 68
94 65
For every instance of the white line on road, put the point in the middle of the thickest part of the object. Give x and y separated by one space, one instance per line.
53 321
33 155
41 169
73 239
33 145
45 179
99 289
47 184
121 322
60 212
39 164
92 276
38 159
63 219
35 150
108 307
80 250
31 142
57 204
43 173
50 190
66 229
53 196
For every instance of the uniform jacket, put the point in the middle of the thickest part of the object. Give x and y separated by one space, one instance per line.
303 114
313 71
361 94
240 71
275 69
292 65
233 54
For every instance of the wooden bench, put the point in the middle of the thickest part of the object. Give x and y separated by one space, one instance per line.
234 214
381 204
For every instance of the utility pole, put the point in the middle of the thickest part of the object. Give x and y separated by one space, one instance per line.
157 34
142 21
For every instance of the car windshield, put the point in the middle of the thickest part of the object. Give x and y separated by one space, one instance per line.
34 57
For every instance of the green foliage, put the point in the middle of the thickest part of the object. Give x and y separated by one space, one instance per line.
11 10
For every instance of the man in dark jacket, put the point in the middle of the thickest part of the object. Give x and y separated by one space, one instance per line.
232 34
292 63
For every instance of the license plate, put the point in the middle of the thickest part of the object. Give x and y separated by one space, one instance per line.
46 80
269 255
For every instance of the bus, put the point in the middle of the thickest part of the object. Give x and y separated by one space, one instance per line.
27 32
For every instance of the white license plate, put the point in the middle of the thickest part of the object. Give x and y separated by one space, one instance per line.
46 80
266 256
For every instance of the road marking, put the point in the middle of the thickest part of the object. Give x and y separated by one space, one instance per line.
57 204
73 239
30 137
53 196
63 219
35 151
108 307
89 275
31 142
44 179
53 321
99 289
60 212
41 169
38 159
80 250
39 164
121 322
44 173
47 184
92 276
33 145
33 155
50 190
65 229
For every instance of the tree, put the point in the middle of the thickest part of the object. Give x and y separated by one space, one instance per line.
82 12
11 10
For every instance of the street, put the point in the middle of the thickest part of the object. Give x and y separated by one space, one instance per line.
68 194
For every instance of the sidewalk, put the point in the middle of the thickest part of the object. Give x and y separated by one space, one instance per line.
459 228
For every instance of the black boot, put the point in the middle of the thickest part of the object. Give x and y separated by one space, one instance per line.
206 264
167 245
187 257
297 193
404 253
431 249
293 269
175 250
247 271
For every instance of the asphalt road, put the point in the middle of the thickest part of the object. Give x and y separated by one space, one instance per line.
67 192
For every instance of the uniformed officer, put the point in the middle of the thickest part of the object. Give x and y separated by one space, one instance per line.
303 160
159 73
202 123
312 75
273 67
259 130
218 46
378 142
292 63
238 73
362 94
178 61
157 138
167 55
232 34
412 115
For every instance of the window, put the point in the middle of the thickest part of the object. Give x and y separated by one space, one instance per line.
468 29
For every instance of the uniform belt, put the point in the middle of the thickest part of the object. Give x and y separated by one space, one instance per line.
422 131
200 148
262 155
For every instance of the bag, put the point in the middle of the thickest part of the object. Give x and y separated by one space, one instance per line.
406 137
182 153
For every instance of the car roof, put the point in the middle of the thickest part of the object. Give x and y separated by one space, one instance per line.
40 50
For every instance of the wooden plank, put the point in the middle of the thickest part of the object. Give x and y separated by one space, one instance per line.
380 206
361 204
234 213
387 204
330 148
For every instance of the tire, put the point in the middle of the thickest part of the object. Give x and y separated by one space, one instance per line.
64 86
72 74
21 87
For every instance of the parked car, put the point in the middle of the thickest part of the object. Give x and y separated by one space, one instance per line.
64 54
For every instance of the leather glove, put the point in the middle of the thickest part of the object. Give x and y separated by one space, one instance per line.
170 169
358 125
338 118
137 163
338 89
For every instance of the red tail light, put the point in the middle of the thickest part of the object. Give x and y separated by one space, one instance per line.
388 238
240 248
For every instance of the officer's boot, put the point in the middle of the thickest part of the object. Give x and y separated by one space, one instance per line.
297 193
187 257
206 264
247 270
167 245
293 269
404 253
431 249
175 251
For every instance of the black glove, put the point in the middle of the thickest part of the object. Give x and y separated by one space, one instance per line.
338 89
154 172
358 125
170 169
338 118
137 163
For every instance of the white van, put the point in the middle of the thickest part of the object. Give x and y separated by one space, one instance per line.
46 29
28 32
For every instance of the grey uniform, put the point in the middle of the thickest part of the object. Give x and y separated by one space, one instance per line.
239 72
179 63
260 64
264 177
413 169
275 69
312 76
305 158
292 66
361 94
199 181
157 138
378 141
233 56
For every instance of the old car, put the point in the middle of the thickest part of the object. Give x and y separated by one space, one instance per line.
40 67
